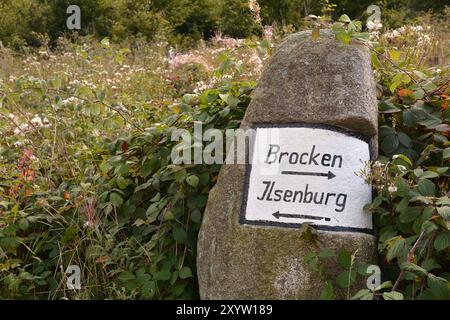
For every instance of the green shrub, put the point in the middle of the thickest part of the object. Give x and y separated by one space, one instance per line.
131 223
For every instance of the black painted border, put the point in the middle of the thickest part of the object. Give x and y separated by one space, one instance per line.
248 169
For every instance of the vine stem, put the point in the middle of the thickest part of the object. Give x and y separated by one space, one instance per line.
408 259
411 76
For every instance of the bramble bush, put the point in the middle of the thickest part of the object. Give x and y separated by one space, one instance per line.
82 182
411 209
86 177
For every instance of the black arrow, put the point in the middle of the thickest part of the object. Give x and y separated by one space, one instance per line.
329 174
279 215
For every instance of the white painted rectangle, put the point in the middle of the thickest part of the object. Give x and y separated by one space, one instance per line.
307 173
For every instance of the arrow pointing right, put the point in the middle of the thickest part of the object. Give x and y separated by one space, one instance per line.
330 175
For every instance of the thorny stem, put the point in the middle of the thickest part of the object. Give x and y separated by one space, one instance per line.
408 259
411 76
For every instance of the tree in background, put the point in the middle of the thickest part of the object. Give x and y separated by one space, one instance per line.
236 19
20 20
184 21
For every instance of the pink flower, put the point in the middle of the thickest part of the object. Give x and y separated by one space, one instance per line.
268 32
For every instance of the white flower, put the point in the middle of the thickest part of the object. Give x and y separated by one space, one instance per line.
71 100
37 121
392 189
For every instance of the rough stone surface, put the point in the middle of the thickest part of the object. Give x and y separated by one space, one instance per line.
319 81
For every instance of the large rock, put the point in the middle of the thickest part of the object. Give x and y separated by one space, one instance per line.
321 81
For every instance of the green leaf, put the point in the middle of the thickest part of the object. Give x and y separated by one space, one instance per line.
398 79
387 107
179 234
429 175
384 285
327 292
408 266
344 18
363 294
405 140
185 273
429 227
414 115
95 109
440 288
142 187
444 212
402 187
326 253
192 180
418 94
163 275
410 214
446 153
148 289
392 295
230 100
122 183
426 188
420 74
126 276
116 199
344 259
346 279
156 198
442 241
390 143
396 247
430 264
431 122
402 205
394 54
196 216
343 37
443 201
399 158
375 61
85 91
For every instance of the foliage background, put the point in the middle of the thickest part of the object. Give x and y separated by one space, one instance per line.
183 22
86 120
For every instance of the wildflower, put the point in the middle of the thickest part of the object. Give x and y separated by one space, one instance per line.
256 61
190 58
268 32
226 42
392 189
89 211
71 100
378 164
38 122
